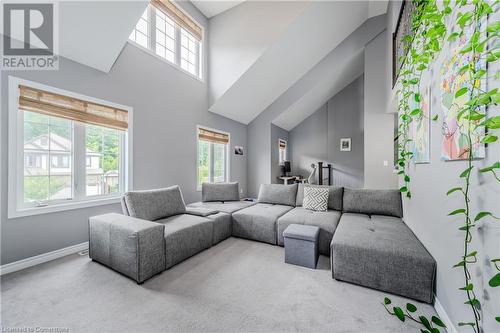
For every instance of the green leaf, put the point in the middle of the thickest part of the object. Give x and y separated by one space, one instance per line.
495 281
492 167
407 178
493 122
452 36
457 211
474 302
435 117
459 264
497 319
417 97
489 138
416 112
466 172
387 301
450 191
399 313
410 307
467 287
425 322
463 69
461 92
437 321
480 215
466 324
403 189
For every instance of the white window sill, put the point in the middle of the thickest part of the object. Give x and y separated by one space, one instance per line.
150 52
59 207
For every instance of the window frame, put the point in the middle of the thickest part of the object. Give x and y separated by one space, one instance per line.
282 162
151 49
16 205
211 150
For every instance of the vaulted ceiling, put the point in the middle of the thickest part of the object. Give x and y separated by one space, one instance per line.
212 8
312 34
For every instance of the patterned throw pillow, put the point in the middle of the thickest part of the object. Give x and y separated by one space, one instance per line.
316 198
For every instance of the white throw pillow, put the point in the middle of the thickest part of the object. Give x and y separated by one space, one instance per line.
316 198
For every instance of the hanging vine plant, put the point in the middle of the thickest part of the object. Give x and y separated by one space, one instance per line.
480 49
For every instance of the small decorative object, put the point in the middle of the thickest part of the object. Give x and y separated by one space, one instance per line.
345 144
316 198
238 150
310 179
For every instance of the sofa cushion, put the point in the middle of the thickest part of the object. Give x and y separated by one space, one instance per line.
278 194
258 222
185 235
373 202
334 196
316 198
225 207
326 221
219 192
155 204
381 252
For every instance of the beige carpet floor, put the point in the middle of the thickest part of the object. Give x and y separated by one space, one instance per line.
236 286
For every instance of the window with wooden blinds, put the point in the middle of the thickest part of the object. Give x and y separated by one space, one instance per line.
212 136
52 104
170 9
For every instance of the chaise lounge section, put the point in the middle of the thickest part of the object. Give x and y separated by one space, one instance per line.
373 247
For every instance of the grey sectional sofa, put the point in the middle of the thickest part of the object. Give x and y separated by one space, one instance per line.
362 231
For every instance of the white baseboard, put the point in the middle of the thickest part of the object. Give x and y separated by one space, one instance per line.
41 258
450 328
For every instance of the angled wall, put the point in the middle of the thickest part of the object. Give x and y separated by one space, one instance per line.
317 138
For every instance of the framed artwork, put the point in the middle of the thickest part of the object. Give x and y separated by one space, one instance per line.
455 145
345 144
421 128
238 150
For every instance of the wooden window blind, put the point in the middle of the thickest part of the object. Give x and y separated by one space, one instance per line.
212 136
282 144
171 10
52 104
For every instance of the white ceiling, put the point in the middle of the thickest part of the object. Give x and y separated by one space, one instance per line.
93 33
212 8
315 33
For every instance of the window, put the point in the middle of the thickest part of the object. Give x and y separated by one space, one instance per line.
73 150
171 34
282 151
213 160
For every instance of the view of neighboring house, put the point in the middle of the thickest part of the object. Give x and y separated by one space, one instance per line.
51 155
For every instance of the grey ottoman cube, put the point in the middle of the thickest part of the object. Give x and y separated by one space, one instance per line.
301 245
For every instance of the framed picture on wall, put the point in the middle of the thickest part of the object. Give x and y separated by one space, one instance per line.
238 150
345 144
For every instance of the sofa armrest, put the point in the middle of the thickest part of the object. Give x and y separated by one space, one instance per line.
131 246
200 211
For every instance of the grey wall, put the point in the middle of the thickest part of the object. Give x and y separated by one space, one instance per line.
168 105
426 213
318 137
278 133
379 124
